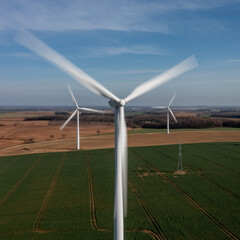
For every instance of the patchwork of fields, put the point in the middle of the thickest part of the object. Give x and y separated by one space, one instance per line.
70 195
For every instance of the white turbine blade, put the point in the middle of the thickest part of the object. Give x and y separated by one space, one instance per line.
172 114
172 100
68 120
92 110
26 39
124 157
160 107
179 69
72 95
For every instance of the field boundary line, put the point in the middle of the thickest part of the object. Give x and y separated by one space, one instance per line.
19 181
227 147
45 202
229 150
201 175
220 186
9 164
220 165
224 229
93 210
6 135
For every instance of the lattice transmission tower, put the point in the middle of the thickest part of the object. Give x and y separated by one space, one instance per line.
180 165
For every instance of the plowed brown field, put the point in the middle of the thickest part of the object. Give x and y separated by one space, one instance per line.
107 141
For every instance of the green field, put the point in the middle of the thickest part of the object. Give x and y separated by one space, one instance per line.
155 130
69 196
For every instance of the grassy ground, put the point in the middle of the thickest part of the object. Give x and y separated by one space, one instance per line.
153 130
70 195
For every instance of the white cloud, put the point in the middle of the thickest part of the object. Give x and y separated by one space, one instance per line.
125 15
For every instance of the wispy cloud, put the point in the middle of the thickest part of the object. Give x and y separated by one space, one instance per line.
135 50
128 72
59 15
138 49
17 54
103 52
234 60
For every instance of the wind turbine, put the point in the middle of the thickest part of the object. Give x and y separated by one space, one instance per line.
120 199
168 110
78 109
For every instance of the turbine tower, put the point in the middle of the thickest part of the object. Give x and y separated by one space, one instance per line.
78 109
120 200
168 110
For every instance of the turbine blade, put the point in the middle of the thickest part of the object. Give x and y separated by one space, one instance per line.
175 71
172 100
92 110
170 110
124 157
26 39
72 95
68 120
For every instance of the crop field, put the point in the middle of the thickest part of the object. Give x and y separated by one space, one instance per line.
56 196
154 130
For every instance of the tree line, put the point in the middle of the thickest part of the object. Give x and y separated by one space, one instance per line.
146 120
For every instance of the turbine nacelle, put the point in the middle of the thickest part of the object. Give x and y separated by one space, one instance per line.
116 104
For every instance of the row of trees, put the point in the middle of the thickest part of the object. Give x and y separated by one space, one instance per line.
46 118
146 120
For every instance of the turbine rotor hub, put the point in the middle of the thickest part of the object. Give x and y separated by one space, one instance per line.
122 102
115 104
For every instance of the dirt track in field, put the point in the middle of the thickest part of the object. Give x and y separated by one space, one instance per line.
45 202
160 233
107 141
93 210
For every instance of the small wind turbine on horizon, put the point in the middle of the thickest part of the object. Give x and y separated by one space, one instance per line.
168 110
78 109
121 180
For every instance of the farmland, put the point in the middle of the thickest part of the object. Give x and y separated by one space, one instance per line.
70 195
36 130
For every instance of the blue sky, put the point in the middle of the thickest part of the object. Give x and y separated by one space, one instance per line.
122 44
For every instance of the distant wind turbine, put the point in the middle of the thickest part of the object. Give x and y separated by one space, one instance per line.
168 110
78 109
120 200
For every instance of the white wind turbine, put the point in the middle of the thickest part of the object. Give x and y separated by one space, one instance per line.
120 199
168 110
78 109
